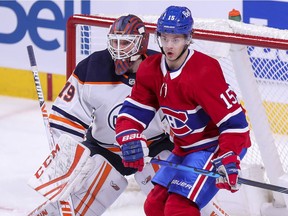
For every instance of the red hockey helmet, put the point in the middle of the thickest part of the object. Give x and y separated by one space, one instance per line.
127 41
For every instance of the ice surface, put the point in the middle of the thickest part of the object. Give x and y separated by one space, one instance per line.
23 148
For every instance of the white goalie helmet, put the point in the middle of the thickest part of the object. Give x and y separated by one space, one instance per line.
127 41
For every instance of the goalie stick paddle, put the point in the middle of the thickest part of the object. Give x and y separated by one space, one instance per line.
216 175
44 111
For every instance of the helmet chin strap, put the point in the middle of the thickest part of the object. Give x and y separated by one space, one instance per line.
183 51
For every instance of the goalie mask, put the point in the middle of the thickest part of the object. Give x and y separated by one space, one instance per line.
127 41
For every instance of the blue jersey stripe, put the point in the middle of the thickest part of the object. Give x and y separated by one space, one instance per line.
141 114
235 122
68 130
69 116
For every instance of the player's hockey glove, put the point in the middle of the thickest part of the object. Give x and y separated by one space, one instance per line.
134 149
228 165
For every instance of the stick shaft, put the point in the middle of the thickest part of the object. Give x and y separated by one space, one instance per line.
41 100
216 175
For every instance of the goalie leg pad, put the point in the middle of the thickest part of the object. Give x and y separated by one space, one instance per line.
47 208
59 208
63 170
104 185
213 208
144 177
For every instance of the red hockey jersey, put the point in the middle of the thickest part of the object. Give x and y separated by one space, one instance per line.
201 108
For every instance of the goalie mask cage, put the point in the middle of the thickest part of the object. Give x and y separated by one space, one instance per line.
254 60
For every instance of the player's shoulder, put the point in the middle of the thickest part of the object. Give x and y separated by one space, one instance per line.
152 59
203 56
151 52
203 67
204 61
150 65
97 67
96 57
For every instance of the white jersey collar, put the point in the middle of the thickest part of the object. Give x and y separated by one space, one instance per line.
175 73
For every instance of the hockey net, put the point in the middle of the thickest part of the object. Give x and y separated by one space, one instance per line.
254 60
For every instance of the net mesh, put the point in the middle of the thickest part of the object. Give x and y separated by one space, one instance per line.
270 69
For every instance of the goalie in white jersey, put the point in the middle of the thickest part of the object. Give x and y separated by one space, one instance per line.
94 93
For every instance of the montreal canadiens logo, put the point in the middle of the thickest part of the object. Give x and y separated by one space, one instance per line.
112 116
177 121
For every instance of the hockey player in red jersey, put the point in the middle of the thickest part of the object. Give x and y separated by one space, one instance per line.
94 93
209 127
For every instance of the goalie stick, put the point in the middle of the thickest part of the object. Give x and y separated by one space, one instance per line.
41 100
45 116
216 175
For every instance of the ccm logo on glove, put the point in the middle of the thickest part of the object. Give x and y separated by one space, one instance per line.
47 161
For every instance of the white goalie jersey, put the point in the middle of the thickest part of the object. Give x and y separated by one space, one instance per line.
93 96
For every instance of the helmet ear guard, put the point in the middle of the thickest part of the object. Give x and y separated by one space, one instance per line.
127 41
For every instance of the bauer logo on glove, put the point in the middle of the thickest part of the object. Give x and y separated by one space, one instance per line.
133 137
134 148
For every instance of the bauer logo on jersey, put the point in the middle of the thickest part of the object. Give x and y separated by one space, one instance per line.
186 122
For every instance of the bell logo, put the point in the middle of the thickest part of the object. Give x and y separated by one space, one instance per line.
30 21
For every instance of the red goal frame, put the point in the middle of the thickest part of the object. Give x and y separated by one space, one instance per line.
209 35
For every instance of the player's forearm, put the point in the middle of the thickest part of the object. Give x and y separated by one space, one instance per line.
234 142
123 123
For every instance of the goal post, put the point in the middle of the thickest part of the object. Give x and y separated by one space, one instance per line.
254 60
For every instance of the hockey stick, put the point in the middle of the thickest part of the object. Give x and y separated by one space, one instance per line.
216 175
41 100
44 111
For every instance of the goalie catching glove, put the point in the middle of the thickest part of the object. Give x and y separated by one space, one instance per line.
134 149
227 165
